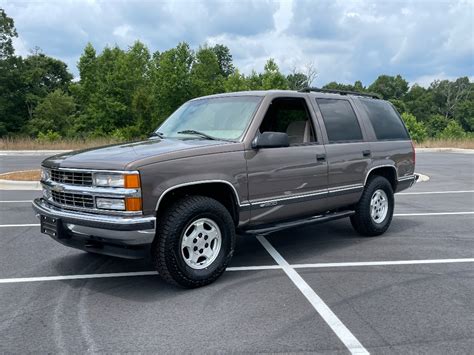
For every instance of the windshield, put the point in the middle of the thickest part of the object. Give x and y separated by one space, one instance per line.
221 118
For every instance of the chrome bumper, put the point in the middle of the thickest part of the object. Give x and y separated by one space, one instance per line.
126 237
115 223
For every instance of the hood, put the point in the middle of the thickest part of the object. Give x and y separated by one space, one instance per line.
131 155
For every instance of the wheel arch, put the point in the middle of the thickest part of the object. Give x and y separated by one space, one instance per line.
387 171
220 190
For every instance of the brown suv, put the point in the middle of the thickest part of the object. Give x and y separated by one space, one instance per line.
246 162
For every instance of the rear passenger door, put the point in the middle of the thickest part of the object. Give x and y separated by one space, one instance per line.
348 152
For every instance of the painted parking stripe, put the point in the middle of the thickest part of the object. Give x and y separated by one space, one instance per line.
119 274
382 263
18 201
395 215
77 277
432 214
239 268
435 192
344 334
18 225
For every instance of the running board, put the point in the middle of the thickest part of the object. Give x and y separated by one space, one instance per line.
270 228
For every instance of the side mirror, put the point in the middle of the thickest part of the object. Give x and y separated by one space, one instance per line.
271 140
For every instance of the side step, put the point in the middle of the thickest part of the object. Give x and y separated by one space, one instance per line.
270 228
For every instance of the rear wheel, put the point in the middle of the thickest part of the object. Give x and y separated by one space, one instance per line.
374 211
194 243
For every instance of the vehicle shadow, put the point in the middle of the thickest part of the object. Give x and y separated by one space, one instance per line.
319 240
306 242
149 288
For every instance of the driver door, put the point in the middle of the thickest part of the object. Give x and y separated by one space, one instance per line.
289 181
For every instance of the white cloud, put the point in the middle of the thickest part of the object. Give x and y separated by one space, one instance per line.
347 40
122 31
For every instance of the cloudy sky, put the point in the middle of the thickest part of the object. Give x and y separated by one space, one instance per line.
346 40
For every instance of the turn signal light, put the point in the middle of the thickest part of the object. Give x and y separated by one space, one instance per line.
133 204
132 181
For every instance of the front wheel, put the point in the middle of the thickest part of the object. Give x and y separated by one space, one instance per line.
374 211
194 243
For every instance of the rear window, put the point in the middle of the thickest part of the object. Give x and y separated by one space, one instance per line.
340 120
385 120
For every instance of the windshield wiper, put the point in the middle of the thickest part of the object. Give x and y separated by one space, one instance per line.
157 134
204 135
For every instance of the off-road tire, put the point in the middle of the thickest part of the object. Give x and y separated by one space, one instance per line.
166 254
362 220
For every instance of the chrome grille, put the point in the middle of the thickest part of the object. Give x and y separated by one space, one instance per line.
71 177
73 199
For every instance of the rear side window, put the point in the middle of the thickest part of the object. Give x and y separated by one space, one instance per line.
386 122
340 120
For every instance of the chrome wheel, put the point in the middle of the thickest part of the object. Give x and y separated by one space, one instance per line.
379 206
201 243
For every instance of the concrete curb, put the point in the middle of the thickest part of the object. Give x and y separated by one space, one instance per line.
422 178
31 152
19 185
445 150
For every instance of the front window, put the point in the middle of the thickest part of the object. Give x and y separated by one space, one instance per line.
220 117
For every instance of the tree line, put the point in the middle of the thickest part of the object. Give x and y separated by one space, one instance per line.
126 93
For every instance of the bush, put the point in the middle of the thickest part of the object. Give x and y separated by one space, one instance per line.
49 136
128 133
417 129
436 124
53 113
452 131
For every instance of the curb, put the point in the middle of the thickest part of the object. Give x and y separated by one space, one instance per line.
446 150
32 152
19 185
422 177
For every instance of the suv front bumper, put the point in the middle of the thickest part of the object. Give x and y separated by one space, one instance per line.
128 237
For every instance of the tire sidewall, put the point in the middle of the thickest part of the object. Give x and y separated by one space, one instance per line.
225 252
380 184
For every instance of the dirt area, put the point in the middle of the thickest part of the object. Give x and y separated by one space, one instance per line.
447 143
25 175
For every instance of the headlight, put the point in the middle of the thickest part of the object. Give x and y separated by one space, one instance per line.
110 203
45 174
117 180
109 180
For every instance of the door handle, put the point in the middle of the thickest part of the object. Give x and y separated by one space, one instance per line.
320 157
366 153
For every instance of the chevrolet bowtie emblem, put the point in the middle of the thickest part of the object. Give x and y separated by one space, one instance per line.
57 188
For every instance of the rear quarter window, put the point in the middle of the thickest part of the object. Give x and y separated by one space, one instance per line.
385 120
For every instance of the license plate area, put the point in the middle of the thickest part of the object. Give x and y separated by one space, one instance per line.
52 227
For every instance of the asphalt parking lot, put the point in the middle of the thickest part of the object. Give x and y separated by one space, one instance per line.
320 289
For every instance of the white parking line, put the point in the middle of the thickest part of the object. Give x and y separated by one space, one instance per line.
18 225
76 277
432 214
120 274
395 215
19 201
435 192
240 268
344 334
382 263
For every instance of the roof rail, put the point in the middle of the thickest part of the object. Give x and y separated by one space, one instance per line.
341 92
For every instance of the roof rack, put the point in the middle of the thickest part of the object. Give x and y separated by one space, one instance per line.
341 92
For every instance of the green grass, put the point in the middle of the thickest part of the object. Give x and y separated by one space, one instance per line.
61 144
73 144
